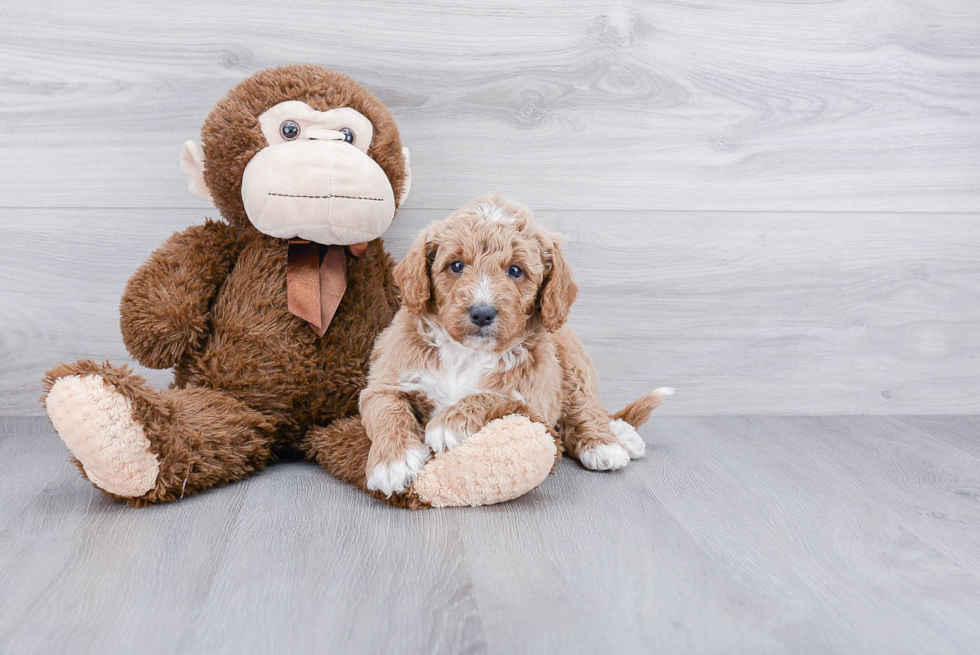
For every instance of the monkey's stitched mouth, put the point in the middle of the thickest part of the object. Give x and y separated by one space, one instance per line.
291 195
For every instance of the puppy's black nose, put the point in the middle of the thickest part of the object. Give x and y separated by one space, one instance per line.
482 315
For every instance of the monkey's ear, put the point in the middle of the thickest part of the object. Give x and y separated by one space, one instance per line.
413 276
558 291
192 163
407 185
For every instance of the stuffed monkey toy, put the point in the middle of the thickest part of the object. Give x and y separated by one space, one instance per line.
268 318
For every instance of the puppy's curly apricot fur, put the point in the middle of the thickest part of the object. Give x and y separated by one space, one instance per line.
481 333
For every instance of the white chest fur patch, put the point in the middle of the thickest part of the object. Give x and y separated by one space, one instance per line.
462 370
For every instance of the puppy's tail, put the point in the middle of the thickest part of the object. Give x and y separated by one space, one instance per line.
638 411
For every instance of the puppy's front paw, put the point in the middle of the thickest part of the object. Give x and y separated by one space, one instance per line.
604 457
628 437
395 476
443 435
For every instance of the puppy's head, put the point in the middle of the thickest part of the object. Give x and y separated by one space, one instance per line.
488 275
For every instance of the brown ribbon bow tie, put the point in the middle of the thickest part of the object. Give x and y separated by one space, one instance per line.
316 279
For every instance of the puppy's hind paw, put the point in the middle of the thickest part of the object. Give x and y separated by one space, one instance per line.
604 457
395 476
629 438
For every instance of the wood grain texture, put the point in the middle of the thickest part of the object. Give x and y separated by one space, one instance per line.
959 431
860 511
770 206
843 105
743 313
734 535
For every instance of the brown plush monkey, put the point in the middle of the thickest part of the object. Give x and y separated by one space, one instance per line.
268 319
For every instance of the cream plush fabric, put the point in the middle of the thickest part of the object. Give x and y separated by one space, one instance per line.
96 423
323 191
459 477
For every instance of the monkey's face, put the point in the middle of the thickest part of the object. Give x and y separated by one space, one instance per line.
315 179
301 151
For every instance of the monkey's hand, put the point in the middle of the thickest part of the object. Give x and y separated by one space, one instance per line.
165 308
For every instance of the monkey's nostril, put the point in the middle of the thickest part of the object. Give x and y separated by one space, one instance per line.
482 315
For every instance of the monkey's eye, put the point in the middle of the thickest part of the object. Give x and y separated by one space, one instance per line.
289 130
515 272
457 266
348 134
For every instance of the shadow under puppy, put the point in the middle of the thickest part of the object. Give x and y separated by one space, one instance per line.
480 335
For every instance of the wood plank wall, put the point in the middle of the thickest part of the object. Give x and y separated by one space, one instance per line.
771 205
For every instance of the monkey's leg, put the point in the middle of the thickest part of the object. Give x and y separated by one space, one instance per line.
507 458
342 448
146 446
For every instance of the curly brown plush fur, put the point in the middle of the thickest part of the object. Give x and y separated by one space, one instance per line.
251 380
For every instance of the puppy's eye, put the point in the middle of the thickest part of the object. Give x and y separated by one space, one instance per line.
515 272
457 266
348 134
289 130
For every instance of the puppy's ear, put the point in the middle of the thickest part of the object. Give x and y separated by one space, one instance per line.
413 277
558 290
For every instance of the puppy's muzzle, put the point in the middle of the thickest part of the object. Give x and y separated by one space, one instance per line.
483 315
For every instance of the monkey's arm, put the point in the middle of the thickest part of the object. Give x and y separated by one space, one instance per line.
165 308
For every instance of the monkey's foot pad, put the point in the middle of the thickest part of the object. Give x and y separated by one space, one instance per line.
507 458
96 423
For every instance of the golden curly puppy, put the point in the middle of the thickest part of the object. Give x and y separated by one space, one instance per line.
485 295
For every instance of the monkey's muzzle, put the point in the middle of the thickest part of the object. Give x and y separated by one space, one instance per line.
324 191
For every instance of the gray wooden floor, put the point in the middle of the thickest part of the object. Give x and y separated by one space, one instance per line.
734 534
